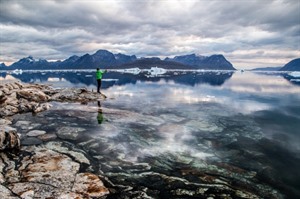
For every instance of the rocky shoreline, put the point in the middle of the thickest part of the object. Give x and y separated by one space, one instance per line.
47 170
62 157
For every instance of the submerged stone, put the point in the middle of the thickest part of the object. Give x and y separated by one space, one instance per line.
71 133
31 141
35 133
76 154
47 137
205 126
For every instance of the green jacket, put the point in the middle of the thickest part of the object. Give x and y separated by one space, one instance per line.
99 74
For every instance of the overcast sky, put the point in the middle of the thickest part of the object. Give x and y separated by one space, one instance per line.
249 33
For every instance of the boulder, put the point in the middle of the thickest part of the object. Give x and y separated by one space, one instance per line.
9 139
32 95
8 110
41 107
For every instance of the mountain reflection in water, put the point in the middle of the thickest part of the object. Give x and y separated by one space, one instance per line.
116 78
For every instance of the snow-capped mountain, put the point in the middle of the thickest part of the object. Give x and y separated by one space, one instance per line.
105 59
30 63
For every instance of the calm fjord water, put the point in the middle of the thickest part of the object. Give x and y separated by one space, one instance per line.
241 128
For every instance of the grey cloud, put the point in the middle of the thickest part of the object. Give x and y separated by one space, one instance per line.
147 28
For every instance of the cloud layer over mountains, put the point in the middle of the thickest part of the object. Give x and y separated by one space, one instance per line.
248 33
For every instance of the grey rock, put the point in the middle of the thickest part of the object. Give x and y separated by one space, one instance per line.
5 122
35 133
45 174
22 124
47 137
71 133
32 95
31 141
76 154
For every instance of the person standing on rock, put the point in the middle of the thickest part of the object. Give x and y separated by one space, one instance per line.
99 74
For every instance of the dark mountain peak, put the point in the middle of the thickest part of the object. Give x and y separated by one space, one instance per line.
151 58
293 65
216 58
147 63
31 60
2 65
214 62
27 59
85 55
185 56
103 53
190 59
218 62
121 58
67 62
220 56
74 57
30 63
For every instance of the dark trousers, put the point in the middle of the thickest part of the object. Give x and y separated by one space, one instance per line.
99 85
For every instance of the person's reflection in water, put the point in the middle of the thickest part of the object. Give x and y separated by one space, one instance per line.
100 117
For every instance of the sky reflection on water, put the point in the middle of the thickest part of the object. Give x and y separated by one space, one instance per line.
196 117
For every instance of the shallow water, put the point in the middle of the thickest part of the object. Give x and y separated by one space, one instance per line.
183 130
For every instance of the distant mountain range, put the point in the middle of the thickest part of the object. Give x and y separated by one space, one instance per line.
293 65
267 68
217 62
105 59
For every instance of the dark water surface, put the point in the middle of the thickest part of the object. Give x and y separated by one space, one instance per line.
175 132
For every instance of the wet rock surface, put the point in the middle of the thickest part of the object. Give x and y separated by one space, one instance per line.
67 153
36 170
9 139
133 164
20 98
39 172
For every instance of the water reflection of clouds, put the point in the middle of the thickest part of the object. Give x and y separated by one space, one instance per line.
259 83
169 94
164 117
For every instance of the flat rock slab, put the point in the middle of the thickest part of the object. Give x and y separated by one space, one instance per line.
45 173
31 141
71 133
